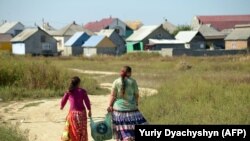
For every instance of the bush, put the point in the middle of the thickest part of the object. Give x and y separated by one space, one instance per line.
11 134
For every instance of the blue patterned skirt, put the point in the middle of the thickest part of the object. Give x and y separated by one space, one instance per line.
124 124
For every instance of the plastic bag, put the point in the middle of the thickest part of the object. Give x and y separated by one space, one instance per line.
102 130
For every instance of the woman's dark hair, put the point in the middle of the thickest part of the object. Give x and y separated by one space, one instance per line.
75 81
125 70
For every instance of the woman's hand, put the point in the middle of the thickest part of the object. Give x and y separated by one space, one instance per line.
89 113
110 109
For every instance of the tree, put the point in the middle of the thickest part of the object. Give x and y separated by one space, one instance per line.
181 28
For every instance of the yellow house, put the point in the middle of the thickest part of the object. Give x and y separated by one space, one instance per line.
5 44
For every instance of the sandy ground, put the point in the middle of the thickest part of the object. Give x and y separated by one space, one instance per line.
45 121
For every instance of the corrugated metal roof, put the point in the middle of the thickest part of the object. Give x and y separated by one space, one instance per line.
106 32
165 41
222 22
5 37
7 26
93 41
142 33
72 40
186 36
239 34
70 30
209 32
24 35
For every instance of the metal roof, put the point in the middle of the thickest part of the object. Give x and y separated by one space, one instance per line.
93 41
77 37
5 37
142 33
70 30
7 26
186 36
222 22
165 41
210 33
24 35
239 33
106 32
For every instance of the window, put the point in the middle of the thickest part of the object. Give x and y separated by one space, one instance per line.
137 46
43 38
46 46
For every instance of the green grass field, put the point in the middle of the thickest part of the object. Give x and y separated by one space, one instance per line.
192 90
11 134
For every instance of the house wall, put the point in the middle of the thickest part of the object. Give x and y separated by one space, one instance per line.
118 24
190 52
106 50
232 45
61 40
18 48
34 45
73 51
218 43
6 46
119 42
106 43
16 29
89 51
130 46
164 46
159 33
195 23
198 42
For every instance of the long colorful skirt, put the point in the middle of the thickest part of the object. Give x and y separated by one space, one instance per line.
124 124
75 127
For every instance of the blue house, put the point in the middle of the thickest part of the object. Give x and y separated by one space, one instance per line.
74 45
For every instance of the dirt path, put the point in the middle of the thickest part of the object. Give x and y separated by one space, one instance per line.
45 121
42 120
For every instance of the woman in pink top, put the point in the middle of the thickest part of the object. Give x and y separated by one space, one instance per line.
76 120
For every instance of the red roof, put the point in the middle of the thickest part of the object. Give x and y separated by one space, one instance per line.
224 22
98 25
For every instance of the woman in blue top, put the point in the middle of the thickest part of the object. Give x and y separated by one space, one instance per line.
124 106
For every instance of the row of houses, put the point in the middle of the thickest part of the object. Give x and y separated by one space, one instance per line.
112 36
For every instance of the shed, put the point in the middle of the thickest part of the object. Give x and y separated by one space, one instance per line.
5 44
34 41
239 38
192 39
99 44
116 39
74 45
139 39
62 35
12 28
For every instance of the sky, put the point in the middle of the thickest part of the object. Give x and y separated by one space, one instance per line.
151 12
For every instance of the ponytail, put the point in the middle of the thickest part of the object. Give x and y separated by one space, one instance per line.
125 70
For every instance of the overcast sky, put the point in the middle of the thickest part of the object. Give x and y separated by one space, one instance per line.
61 12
